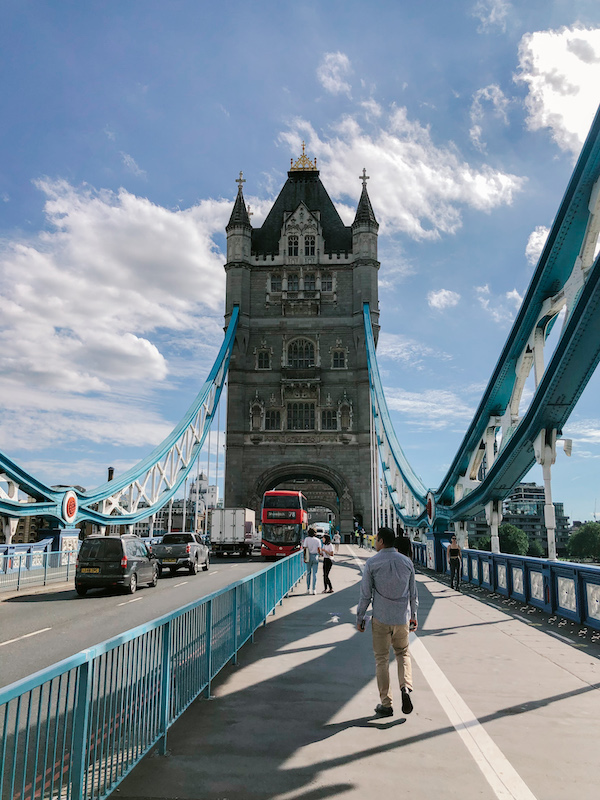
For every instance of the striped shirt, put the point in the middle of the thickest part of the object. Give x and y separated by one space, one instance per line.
389 583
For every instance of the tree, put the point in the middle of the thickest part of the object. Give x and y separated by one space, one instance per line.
513 540
585 541
535 549
482 542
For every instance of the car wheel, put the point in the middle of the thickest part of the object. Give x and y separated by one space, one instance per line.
132 584
154 580
81 590
206 564
194 568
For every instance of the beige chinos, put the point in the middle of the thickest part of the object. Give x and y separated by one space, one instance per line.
395 636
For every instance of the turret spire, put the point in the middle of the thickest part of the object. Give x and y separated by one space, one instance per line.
239 215
364 211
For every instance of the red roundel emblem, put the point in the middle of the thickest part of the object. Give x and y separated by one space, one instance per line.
71 507
430 508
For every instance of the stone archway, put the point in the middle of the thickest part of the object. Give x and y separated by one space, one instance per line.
287 473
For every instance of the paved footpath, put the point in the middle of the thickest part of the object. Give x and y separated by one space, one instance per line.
507 704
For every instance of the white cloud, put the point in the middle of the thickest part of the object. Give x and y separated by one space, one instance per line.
332 72
500 309
132 166
92 305
491 13
488 96
535 244
432 410
443 298
416 186
409 352
587 430
562 71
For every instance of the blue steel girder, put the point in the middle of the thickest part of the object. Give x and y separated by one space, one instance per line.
141 491
405 489
563 272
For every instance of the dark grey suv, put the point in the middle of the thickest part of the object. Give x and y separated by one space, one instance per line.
106 561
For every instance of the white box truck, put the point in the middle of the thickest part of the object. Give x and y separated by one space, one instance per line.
232 530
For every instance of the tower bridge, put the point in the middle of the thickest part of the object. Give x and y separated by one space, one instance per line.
304 397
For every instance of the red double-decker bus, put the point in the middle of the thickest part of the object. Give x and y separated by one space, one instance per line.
284 519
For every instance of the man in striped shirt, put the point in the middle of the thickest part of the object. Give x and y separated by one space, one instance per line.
388 583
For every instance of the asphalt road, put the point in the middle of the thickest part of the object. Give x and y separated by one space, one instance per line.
39 628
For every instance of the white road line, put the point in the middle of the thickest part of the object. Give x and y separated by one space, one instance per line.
503 778
183 583
25 636
135 599
214 572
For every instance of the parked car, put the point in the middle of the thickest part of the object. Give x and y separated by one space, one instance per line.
105 561
182 550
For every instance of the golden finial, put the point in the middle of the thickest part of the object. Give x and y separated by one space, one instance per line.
304 163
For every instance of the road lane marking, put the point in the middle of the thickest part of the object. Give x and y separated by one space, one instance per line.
214 572
503 778
183 583
135 599
25 636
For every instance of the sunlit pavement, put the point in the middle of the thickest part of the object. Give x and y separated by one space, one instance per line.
504 708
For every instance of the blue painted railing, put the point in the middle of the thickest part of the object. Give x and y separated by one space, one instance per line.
76 729
25 566
567 589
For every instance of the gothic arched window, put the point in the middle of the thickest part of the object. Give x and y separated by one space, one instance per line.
272 420
327 282
301 354
275 283
310 282
263 360
309 245
293 283
301 416
292 245
328 420
338 360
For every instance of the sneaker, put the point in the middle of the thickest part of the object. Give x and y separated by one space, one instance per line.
407 705
384 711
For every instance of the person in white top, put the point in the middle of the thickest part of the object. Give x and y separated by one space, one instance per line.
312 551
336 540
327 551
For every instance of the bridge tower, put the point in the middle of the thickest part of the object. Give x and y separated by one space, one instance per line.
298 410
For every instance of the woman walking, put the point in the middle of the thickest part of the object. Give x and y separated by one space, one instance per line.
327 551
454 563
312 551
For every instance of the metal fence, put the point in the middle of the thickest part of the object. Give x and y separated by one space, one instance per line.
20 570
75 730
559 587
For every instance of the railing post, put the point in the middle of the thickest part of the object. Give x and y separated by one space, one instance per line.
235 626
81 714
208 646
19 573
165 688
45 567
253 612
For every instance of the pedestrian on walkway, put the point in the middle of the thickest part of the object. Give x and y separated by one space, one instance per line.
336 540
312 551
327 551
389 583
454 560
362 537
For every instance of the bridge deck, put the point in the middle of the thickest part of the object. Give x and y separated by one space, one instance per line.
507 704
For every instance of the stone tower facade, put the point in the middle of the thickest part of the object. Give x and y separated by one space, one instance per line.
298 408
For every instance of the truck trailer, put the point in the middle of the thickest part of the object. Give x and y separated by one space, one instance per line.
232 530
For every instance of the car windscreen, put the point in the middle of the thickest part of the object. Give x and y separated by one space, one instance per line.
177 538
102 549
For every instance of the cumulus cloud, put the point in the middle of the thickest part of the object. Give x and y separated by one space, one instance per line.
502 308
490 96
443 298
432 410
332 73
90 306
409 352
491 14
535 244
417 187
562 71
586 430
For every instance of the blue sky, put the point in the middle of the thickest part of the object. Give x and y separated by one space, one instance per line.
124 126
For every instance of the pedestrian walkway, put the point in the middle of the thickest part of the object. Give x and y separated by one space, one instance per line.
506 706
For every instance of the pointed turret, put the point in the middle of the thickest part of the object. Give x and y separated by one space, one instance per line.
365 226
239 229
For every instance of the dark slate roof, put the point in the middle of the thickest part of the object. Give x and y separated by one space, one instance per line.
302 186
239 215
364 212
